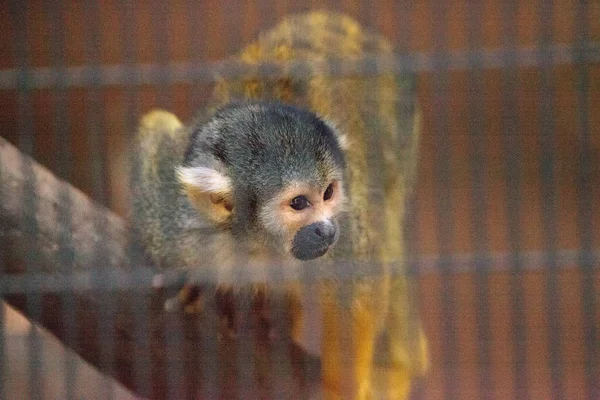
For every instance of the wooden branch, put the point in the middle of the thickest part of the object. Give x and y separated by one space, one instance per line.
68 266
33 195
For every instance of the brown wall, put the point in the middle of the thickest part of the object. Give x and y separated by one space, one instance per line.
212 30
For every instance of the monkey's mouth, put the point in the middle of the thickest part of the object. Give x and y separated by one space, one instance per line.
307 255
321 252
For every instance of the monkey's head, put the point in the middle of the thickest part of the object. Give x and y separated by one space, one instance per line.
270 174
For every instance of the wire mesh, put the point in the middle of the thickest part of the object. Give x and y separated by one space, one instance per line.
500 229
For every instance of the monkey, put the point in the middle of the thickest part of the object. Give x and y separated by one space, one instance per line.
298 172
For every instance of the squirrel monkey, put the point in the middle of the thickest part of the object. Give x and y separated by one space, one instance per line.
278 172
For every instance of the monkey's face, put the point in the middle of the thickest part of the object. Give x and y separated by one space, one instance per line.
271 175
305 217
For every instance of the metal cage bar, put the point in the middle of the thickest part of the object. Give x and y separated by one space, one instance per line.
481 262
585 209
444 202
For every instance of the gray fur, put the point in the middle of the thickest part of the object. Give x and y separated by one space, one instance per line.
262 147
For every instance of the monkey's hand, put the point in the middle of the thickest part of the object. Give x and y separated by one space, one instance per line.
189 299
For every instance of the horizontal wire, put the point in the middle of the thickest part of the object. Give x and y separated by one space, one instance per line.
566 259
190 72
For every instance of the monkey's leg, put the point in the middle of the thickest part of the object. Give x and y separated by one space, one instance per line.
360 330
407 355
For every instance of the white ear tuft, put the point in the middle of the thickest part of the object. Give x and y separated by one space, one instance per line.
341 138
342 141
204 178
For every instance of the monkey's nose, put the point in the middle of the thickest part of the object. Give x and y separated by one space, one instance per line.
326 231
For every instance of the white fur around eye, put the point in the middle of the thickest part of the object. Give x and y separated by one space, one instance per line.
204 178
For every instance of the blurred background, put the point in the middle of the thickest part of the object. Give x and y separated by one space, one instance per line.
503 225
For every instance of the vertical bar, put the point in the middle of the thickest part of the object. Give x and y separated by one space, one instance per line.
444 228
344 296
287 372
246 347
547 164
479 227
513 167
63 169
3 358
26 144
413 268
3 273
174 358
207 380
279 352
209 377
140 307
95 129
267 16
197 46
585 207
160 17
280 358
95 122
173 339
246 384
19 10
396 121
376 119
404 11
343 292
230 306
234 12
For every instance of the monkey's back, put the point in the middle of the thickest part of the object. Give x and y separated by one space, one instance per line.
375 111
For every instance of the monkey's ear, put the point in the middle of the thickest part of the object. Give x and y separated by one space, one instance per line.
342 141
341 138
209 191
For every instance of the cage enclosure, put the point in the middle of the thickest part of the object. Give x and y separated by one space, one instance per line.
497 257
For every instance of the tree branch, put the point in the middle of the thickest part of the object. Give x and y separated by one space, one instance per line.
67 264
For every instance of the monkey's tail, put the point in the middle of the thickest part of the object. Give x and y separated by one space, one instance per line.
161 142
156 127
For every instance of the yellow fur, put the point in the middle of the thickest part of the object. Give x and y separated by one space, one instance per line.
380 303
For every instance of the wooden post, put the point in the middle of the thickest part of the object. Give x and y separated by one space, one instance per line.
50 236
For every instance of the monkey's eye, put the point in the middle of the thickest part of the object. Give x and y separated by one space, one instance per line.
299 203
328 192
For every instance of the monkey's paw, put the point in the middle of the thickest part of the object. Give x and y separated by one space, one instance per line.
189 298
